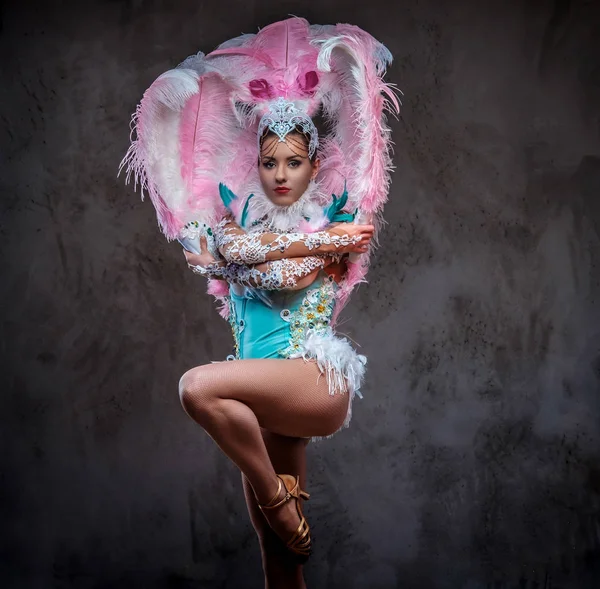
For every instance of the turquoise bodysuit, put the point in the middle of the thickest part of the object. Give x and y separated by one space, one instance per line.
278 331
268 317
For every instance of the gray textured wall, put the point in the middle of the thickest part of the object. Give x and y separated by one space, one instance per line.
474 460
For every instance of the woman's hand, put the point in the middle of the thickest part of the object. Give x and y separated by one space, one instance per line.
204 259
362 235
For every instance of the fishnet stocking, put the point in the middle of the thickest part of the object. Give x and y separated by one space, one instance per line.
287 397
233 400
281 569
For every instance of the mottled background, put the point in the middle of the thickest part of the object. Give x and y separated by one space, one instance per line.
474 459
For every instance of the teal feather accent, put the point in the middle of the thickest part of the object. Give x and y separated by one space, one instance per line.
344 217
226 195
245 211
334 211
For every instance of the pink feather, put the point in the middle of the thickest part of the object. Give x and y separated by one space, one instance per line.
287 44
355 274
246 51
216 106
333 171
219 289
207 132
360 129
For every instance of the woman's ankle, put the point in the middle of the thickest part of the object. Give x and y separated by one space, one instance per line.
270 493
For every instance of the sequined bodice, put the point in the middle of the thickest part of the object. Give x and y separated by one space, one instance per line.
278 331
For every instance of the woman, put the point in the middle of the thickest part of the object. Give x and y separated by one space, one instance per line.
282 256
261 409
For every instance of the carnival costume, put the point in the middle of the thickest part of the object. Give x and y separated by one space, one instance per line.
198 130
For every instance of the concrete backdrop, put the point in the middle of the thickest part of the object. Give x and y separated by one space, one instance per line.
474 459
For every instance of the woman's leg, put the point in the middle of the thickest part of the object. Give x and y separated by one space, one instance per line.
233 400
282 571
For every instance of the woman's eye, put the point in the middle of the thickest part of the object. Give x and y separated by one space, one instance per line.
294 163
268 165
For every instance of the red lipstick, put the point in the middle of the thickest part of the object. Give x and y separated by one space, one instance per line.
282 190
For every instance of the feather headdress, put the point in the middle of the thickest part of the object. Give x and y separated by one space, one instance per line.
196 125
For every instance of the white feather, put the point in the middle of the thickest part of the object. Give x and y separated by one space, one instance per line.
287 218
339 362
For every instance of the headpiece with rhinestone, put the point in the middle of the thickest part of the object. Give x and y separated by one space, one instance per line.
284 117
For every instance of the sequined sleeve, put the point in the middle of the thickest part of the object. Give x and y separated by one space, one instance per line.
240 247
275 275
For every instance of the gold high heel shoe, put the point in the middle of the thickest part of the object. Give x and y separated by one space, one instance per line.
300 542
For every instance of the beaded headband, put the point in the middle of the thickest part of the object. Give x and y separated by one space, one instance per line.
283 118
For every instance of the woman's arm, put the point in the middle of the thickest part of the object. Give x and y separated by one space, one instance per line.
286 274
238 246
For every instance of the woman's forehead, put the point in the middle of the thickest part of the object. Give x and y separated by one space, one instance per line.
273 147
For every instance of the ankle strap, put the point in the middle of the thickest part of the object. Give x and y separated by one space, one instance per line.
269 505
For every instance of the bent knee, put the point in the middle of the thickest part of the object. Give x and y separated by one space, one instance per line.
195 391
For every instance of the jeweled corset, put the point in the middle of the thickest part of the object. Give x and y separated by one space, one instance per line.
278 331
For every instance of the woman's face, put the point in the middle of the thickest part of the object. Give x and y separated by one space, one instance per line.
285 169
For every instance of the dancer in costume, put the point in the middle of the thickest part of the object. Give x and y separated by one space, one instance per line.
230 156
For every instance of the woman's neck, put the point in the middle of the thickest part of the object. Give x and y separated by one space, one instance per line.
306 213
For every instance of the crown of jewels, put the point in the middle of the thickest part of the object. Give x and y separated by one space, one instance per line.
282 118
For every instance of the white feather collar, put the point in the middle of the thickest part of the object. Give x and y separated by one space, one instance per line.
307 211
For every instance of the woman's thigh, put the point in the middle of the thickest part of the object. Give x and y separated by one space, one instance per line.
288 397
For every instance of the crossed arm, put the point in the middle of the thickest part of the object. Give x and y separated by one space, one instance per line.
241 247
285 274
273 261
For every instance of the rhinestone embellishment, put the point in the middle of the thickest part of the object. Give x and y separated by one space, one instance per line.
313 315
282 118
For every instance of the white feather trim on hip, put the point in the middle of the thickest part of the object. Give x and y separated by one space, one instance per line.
338 361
